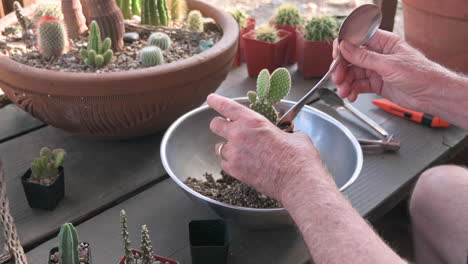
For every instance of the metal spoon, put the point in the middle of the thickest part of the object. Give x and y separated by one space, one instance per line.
357 29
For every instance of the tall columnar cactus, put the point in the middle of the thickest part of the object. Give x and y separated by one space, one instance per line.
130 259
136 7
177 9
321 28
126 8
266 33
151 56
45 167
240 16
68 245
146 247
160 39
288 14
98 53
110 19
22 20
163 14
270 90
74 18
195 21
154 12
53 9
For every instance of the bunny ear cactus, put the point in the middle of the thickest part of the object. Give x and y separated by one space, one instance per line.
52 37
45 167
99 53
270 90
68 245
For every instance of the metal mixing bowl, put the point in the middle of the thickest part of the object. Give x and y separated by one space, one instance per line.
187 150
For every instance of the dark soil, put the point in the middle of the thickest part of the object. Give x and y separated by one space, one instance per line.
83 252
231 191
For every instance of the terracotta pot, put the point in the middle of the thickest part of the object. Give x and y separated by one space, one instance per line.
263 55
240 51
162 259
126 104
439 30
291 56
313 57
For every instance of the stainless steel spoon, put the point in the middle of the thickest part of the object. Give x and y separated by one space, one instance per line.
357 29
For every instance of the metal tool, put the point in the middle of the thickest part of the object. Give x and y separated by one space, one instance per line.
357 29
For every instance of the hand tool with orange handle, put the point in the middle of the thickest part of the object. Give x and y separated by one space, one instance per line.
418 117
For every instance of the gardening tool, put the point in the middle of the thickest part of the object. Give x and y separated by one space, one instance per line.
357 29
387 144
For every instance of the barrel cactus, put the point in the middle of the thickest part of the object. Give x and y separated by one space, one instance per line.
159 39
52 37
195 21
151 56
240 16
68 245
322 28
99 52
288 14
266 33
270 90
45 168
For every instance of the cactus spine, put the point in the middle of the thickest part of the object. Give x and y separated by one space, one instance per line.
178 9
52 37
288 14
151 56
68 245
23 21
159 39
110 19
125 238
195 21
98 53
146 247
270 90
74 18
321 28
266 33
45 167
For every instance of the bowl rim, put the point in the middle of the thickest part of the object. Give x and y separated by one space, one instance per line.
203 107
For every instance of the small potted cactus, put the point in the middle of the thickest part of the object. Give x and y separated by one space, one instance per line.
98 53
288 18
246 24
52 37
265 48
44 183
70 250
314 46
143 256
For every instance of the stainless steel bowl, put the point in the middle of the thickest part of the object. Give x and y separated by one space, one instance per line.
187 150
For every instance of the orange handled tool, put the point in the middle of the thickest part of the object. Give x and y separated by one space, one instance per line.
414 116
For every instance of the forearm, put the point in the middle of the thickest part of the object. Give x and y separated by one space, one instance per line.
333 230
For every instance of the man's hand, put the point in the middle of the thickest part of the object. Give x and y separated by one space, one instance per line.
260 154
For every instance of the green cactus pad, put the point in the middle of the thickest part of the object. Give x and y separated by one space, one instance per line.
252 96
265 109
263 84
280 83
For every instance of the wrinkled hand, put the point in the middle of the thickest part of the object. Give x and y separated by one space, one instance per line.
257 152
387 66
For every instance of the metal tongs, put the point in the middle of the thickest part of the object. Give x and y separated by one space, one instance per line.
388 143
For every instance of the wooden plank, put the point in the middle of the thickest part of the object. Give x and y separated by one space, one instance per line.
14 122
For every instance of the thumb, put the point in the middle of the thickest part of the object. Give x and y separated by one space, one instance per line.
363 57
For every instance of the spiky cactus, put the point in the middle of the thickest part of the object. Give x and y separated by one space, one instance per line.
266 33
151 56
154 12
74 18
159 39
270 90
195 21
53 9
68 245
178 9
126 8
146 247
240 16
110 20
22 20
98 53
130 259
52 37
45 168
321 28
288 14
136 7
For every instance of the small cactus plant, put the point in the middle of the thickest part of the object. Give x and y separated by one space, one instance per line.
240 16
321 28
99 52
45 168
159 39
126 7
146 247
151 56
195 21
270 90
108 16
53 9
68 245
288 14
178 9
266 33
154 12
130 258
23 21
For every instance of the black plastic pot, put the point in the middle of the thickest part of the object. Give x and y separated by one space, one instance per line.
55 249
209 241
44 196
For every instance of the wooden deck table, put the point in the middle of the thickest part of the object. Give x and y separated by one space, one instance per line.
103 177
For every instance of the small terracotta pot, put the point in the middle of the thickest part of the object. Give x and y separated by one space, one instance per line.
156 257
313 57
291 56
263 55
240 51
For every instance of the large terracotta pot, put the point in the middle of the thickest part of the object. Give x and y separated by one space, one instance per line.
127 104
439 29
